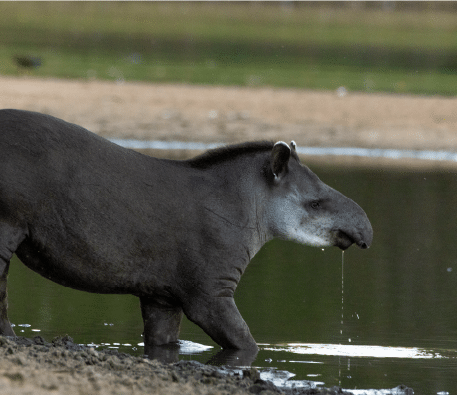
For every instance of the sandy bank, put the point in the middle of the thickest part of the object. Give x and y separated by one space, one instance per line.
234 114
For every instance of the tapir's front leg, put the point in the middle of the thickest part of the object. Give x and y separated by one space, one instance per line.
220 319
161 322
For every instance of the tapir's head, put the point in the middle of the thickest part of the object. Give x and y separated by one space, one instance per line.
304 209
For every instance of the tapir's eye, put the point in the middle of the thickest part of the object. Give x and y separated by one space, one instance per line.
315 205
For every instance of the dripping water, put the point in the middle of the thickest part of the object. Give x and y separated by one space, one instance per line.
342 293
342 313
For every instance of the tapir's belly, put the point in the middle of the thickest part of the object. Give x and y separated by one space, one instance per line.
100 243
98 277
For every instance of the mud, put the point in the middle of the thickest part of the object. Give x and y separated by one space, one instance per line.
35 366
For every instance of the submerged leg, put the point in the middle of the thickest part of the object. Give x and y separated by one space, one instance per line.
5 326
220 319
10 238
161 322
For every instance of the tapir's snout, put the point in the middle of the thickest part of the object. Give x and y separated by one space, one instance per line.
365 243
356 230
363 240
366 235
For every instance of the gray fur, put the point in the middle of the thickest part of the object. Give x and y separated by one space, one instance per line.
91 215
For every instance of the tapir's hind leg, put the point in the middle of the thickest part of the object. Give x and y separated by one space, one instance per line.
10 238
161 322
5 326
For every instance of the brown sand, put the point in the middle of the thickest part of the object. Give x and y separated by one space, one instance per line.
234 114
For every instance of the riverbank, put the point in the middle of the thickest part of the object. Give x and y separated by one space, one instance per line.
233 114
35 366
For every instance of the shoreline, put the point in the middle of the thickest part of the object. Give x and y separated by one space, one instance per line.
62 367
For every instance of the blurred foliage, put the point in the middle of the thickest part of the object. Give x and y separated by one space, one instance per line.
365 47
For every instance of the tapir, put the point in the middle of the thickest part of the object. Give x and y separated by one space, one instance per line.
178 234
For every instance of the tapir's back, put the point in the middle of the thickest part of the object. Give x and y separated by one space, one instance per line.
43 158
84 201
93 216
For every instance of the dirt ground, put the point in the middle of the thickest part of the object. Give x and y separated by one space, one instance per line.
62 367
37 367
208 114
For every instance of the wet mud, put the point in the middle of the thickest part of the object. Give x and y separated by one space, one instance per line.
36 366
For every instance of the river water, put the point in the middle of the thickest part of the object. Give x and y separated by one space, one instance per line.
400 296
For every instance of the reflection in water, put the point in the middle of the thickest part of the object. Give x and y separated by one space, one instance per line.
190 348
362 351
170 353
233 358
186 347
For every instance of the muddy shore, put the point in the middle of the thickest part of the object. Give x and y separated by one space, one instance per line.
35 366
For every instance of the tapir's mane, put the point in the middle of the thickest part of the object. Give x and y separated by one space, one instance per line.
229 152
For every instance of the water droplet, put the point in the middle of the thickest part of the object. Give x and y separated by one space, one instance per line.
449 269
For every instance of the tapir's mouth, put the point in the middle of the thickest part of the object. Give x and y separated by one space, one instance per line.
344 241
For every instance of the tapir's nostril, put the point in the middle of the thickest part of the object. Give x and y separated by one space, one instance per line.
363 245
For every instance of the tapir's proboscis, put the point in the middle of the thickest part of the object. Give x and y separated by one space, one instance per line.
178 234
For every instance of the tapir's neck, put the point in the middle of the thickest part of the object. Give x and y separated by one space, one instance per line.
247 195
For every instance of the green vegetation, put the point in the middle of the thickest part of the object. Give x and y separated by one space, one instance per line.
304 45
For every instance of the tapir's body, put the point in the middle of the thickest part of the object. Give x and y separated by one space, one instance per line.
94 216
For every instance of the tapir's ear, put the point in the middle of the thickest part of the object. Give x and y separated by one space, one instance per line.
280 155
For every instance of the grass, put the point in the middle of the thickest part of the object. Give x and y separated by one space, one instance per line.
248 44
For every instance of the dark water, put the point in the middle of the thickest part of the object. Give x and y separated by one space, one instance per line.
400 295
